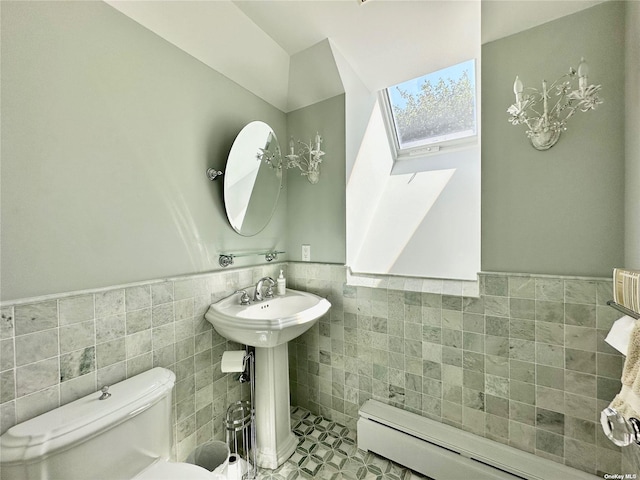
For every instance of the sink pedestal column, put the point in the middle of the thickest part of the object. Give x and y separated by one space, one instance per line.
276 442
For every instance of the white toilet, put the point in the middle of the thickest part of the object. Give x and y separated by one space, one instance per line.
126 436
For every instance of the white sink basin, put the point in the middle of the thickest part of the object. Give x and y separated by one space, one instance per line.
270 322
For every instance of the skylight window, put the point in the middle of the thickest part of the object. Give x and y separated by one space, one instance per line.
434 110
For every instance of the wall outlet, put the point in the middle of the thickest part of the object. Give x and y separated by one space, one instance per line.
306 253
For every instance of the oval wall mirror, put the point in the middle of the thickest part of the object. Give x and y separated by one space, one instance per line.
251 185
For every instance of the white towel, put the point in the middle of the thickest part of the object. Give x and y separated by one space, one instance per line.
620 334
627 402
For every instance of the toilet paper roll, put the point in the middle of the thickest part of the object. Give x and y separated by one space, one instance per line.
232 361
620 334
237 467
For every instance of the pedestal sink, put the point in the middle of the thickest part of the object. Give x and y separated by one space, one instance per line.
268 325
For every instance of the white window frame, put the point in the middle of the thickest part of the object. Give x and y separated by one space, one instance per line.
435 148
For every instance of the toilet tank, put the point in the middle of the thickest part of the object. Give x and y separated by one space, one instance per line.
111 439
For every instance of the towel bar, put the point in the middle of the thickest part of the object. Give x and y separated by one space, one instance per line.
624 310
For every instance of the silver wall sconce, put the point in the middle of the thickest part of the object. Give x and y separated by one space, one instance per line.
307 159
544 127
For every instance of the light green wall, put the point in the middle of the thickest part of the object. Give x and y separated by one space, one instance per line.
559 211
316 213
107 131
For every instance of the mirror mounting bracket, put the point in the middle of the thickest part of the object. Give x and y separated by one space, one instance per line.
225 260
212 173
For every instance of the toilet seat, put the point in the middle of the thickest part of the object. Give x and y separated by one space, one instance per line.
163 470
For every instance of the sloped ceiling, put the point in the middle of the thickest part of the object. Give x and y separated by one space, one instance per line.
385 41
219 35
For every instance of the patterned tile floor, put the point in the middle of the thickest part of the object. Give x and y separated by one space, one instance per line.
328 451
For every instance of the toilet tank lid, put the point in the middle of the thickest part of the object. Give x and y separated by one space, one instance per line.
85 417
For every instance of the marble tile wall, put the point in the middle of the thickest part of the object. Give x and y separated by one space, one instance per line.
54 350
523 363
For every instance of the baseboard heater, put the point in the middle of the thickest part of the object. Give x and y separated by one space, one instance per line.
443 452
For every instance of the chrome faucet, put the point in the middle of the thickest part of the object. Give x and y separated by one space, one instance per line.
257 296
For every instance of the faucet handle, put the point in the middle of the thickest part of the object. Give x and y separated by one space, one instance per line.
244 298
269 292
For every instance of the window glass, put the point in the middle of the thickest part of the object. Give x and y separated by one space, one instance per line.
435 108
